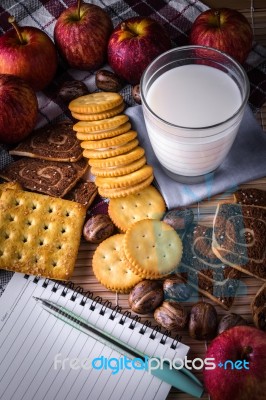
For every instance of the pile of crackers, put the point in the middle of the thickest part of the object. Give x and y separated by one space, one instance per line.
146 248
109 144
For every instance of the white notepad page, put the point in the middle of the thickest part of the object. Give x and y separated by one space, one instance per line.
30 339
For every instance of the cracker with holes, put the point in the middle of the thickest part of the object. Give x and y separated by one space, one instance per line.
147 203
39 235
153 248
110 268
9 185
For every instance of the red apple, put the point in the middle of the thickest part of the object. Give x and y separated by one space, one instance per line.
224 29
81 35
240 358
29 53
18 109
134 44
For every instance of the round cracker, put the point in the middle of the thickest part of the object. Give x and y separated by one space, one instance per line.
153 248
109 133
117 140
119 171
125 181
102 125
111 152
120 160
145 204
101 115
95 102
109 267
122 192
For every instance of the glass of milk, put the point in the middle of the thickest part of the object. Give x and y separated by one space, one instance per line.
193 100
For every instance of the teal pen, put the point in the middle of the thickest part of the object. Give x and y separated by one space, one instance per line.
181 379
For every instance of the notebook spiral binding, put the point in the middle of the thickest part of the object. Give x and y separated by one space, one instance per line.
108 304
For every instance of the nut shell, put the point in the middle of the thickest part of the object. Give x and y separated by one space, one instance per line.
203 321
98 228
171 315
229 321
176 289
71 90
108 81
136 93
179 218
145 296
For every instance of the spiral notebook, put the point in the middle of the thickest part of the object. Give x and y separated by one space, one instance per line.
42 357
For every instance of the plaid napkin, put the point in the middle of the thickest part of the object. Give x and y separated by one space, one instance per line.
175 16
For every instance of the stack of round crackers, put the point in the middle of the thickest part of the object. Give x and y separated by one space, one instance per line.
148 248
112 148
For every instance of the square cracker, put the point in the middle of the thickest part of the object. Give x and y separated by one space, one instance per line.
39 235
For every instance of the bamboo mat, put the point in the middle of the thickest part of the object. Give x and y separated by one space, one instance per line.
203 211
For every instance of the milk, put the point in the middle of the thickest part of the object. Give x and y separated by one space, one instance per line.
192 114
194 96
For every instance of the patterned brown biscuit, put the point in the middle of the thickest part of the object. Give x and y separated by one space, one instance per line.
258 308
147 203
251 196
125 181
55 142
118 171
109 267
95 102
111 152
104 133
117 140
99 116
239 238
118 161
153 248
102 125
48 177
83 193
122 192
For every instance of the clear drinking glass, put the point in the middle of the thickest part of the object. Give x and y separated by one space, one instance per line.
193 114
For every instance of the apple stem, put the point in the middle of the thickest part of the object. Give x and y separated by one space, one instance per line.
245 352
217 14
123 26
79 6
13 22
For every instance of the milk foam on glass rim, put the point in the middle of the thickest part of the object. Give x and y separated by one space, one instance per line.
193 101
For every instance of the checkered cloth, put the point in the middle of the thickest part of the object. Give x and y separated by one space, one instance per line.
175 16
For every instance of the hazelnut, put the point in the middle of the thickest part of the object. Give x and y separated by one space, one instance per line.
230 320
136 93
175 288
71 90
171 315
145 296
98 228
179 218
203 321
108 81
